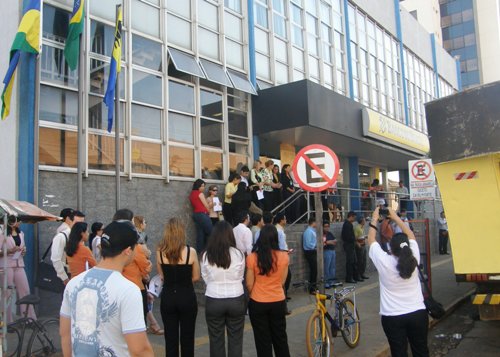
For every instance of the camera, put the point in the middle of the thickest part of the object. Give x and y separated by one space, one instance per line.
384 212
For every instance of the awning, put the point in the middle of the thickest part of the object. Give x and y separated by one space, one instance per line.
24 212
215 73
184 62
241 82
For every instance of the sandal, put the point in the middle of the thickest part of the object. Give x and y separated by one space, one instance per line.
156 331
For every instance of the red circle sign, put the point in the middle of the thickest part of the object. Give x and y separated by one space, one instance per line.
316 168
421 170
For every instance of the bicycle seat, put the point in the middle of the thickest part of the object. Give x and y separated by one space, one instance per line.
28 300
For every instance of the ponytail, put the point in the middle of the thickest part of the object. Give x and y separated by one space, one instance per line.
401 249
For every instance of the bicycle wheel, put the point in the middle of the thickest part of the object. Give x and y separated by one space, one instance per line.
316 345
44 341
350 324
13 341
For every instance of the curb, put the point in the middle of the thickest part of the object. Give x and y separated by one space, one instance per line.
385 351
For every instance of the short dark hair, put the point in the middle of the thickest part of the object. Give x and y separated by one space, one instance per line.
311 220
360 219
279 217
242 216
245 169
197 184
268 217
325 222
255 218
79 214
117 237
67 212
123 214
403 210
351 214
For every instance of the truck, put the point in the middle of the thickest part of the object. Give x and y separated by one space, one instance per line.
464 135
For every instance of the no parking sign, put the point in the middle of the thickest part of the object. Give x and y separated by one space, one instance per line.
316 167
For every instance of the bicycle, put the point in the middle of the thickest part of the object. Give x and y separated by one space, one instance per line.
44 332
319 334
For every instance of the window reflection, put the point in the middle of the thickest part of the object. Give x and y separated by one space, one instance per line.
102 152
211 133
57 147
146 53
58 105
98 114
146 158
180 128
181 161
102 37
147 88
146 122
211 104
181 97
237 122
211 165
99 74
55 23
55 69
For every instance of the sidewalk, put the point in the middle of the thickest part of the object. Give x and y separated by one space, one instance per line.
373 341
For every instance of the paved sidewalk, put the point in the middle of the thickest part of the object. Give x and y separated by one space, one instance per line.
373 341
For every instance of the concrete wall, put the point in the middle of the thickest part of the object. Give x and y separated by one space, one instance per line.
487 14
446 66
416 37
11 10
381 11
428 15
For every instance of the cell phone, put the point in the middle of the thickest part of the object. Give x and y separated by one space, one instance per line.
291 250
383 212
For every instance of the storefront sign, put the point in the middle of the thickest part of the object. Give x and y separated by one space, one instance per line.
422 180
380 127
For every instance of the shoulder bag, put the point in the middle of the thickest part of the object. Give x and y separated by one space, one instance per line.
434 308
47 278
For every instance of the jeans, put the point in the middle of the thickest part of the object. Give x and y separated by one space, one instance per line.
443 241
329 260
410 327
269 328
312 257
225 315
203 229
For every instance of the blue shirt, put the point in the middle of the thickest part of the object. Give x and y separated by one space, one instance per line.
281 240
309 239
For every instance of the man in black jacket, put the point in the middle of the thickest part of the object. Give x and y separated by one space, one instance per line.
349 240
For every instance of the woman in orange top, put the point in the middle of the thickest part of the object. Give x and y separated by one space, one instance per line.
79 256
137 271
267 269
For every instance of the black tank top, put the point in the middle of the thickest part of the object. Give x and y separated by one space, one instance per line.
177 276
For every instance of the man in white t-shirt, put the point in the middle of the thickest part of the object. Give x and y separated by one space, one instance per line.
243 234
101 312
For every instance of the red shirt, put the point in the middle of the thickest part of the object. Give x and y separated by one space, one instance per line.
198 206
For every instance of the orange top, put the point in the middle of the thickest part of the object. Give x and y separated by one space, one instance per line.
268 288
76 263
139 268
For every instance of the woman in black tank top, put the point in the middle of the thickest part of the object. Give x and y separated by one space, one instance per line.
178 265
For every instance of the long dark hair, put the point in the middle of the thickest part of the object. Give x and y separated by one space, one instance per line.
400 247
197 184
219 244
266 248
12 221
75 236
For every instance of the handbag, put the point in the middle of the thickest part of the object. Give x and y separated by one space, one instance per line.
433 307
47 278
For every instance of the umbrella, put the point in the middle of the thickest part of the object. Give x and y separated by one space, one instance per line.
25 212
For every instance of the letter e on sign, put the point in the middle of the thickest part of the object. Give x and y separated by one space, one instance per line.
315 168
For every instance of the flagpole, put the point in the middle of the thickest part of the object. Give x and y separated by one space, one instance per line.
81 82
117 130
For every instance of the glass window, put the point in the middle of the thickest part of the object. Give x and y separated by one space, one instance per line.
57 147
105 9
232 26
215 72
281 73
311 6
297 38
98 114
102 38
261 15
146 158
181 97
311 24
211 133
58 105
281 50
102 152
181 161
141 11
279 6
180 128
237 123
180 7
238 156
55 23
178 31
211 165
262 66
296 14
234 54
208 43
234 5
238 99
241 82
147 88
146 53
326 12
279 25
208 15
185 62
261 41
54 68
211 104
99 75
146 122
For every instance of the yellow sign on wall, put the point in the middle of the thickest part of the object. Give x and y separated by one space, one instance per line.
380 127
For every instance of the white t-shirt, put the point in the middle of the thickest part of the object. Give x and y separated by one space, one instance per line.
398 296
103 307
224 283
244 238
96 249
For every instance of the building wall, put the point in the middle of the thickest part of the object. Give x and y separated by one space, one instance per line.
488 31
427 14
8 128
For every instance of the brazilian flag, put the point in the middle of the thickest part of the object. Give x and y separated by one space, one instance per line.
72 48
28 40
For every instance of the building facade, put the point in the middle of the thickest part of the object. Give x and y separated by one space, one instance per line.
203 90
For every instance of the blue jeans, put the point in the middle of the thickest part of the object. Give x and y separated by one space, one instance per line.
329 263
203 230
